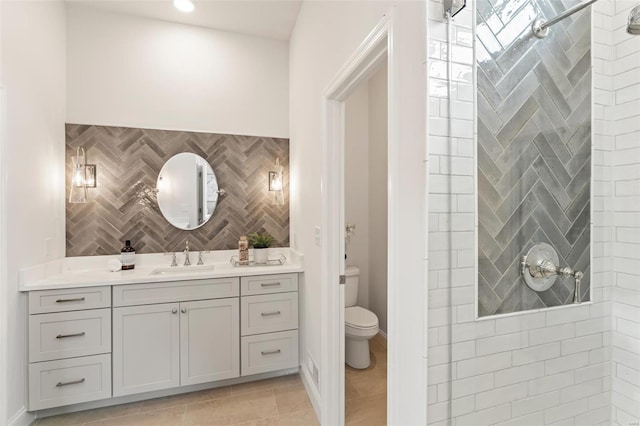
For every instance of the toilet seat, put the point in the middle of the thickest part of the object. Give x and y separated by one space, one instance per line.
360 318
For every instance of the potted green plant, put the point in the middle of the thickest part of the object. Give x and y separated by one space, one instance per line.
261 241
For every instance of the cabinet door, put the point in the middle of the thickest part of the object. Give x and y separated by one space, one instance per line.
209 341
146 348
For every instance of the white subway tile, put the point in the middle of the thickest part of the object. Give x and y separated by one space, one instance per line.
600 355
630 406
591 372
581 344
520 323
536 353
628 374
563 316
440 373
472 330
593 417
550 383
529 420
535 403
504 342
593 326
566 363
461 406
463 350
486 417
482 364
551 334
565 411
437 412
500 396
581 391
471 385
519 374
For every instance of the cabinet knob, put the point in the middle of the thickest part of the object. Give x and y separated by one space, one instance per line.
183 310
174 311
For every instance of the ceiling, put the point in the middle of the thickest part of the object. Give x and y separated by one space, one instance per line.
263 18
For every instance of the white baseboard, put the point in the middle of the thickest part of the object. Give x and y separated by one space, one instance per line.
382 333
311 389
22 418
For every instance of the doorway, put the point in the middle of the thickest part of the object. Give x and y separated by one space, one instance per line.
398 39
366 195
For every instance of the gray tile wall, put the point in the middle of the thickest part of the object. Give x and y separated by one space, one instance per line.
534 149
123 206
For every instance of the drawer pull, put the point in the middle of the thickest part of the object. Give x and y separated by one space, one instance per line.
63 336
268 314
77 299
269 284
277 351
75 382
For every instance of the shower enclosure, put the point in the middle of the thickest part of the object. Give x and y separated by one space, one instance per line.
534 213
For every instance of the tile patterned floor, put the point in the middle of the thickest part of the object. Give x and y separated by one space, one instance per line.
366 390
281 401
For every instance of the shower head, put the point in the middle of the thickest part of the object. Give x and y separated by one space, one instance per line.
634 21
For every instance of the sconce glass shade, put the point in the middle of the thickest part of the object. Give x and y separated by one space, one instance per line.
78 188
276 184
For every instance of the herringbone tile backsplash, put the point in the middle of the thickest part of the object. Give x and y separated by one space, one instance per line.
123 205
534 149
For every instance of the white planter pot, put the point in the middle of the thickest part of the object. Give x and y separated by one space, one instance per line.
260 255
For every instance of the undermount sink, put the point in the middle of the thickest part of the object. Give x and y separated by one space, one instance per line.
177 270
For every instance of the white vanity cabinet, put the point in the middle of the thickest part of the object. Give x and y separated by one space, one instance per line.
269 323
122 340
164 345
69 346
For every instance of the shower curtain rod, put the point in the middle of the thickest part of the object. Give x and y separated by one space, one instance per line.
540 28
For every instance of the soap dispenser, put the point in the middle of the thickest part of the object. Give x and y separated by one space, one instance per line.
128 256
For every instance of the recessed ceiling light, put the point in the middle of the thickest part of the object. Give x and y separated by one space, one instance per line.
184 5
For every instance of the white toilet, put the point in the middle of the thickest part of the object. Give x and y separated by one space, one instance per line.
360 324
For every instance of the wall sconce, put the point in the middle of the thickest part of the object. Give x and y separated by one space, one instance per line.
276 184
84 175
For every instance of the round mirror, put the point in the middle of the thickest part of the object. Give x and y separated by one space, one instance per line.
187 191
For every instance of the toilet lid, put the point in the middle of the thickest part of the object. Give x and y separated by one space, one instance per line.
355 316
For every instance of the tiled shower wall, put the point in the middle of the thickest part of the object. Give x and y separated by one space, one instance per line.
123 206
528 368
534 149
622 97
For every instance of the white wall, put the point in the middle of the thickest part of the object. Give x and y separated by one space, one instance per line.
530 368
136 72
33 73
356 176
326 34
378 196
624 115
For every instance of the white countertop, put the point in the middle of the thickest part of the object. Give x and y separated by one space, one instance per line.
91 271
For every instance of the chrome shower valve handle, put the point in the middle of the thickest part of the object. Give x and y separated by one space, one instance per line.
539 268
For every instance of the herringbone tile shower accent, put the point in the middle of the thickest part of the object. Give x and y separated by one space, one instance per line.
534 149
124 206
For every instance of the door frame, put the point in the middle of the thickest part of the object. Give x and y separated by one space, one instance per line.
4 332
379 45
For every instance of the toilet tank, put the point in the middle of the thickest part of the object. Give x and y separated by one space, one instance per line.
351 286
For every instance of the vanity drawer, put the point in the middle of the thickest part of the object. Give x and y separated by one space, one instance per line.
69 381
69 299
69 334
268 313
178 291
264 284
269 352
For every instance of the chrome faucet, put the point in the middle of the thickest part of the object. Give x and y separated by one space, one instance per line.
187 262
